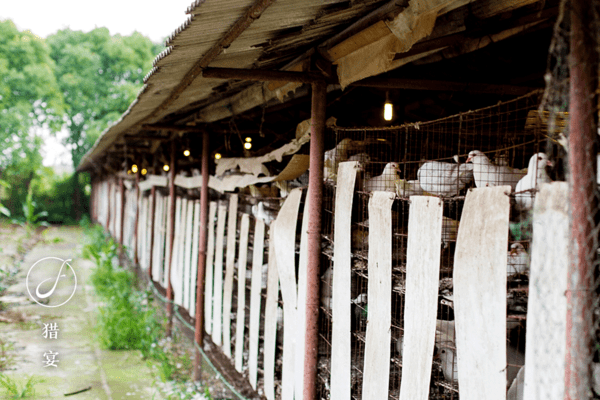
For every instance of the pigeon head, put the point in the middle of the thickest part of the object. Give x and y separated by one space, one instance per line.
391 168
539 160
477 156
516 248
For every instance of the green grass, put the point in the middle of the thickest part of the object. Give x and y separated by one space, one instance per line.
16 391
127 318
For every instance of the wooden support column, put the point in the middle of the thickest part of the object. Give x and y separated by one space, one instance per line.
171 240
199 327
315 184
583 203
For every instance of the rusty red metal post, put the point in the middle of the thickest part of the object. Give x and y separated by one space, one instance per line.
122 210
137 219
199 327
315 185
582 165
152 222
171 239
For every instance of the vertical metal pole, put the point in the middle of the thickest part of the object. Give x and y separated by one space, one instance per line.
122 210
199 328
582 165
171 240
153 216
315 185
137 219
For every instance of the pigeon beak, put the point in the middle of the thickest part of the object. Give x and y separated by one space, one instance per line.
549 163
470 159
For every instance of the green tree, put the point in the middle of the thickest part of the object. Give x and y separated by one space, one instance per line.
99 76
30 99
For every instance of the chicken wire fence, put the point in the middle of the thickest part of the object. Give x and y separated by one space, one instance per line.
430 158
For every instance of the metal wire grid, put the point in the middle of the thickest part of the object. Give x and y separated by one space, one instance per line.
390 158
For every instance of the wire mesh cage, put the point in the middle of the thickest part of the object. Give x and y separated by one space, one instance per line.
492 146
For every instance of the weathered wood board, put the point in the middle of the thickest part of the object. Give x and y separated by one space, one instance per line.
341 285
285 250
217 331
301 305
255 300
210 262
187 259
174 277
547 303
271 318
421 301
194 271
229 269
167 254
241 293
480 294
376 375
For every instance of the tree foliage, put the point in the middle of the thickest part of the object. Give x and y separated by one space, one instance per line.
99 76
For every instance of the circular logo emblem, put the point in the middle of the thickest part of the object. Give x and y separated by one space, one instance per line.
55 276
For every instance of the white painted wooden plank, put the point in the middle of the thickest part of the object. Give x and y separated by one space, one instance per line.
229 269
301 305
182 244
217 331
187 272
420 309
167 254
255 300
377 348
271 319
547 304
141 226
175 256
341 283
194 261
210 259
480 294
285 250
146 231
241 293
159 244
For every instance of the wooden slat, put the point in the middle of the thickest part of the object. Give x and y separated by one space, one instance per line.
175 256
167 252
217 330
255 300
420 309
194 261
547 305
187 271
271 319
480 294
241 293
341 283
229 269
377 348
301 305
210 262
285 249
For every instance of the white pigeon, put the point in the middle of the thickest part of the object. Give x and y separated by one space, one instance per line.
488 174
518 260
449 369
385 182
336 155
515 392
326 289
408 188
536 175
444 179
260 212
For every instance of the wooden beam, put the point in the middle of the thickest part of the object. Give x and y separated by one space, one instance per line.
424 84
171 128
262 75
251 14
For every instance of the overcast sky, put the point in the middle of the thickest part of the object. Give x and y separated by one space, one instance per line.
156 19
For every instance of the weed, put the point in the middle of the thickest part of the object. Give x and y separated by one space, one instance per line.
6 354
14 390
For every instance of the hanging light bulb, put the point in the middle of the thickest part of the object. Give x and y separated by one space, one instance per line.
247 145
248 139
186 153
134 168
144 171
217 156
128 172
166 167
388 109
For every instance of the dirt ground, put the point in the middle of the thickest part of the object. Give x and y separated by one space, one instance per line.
81 364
